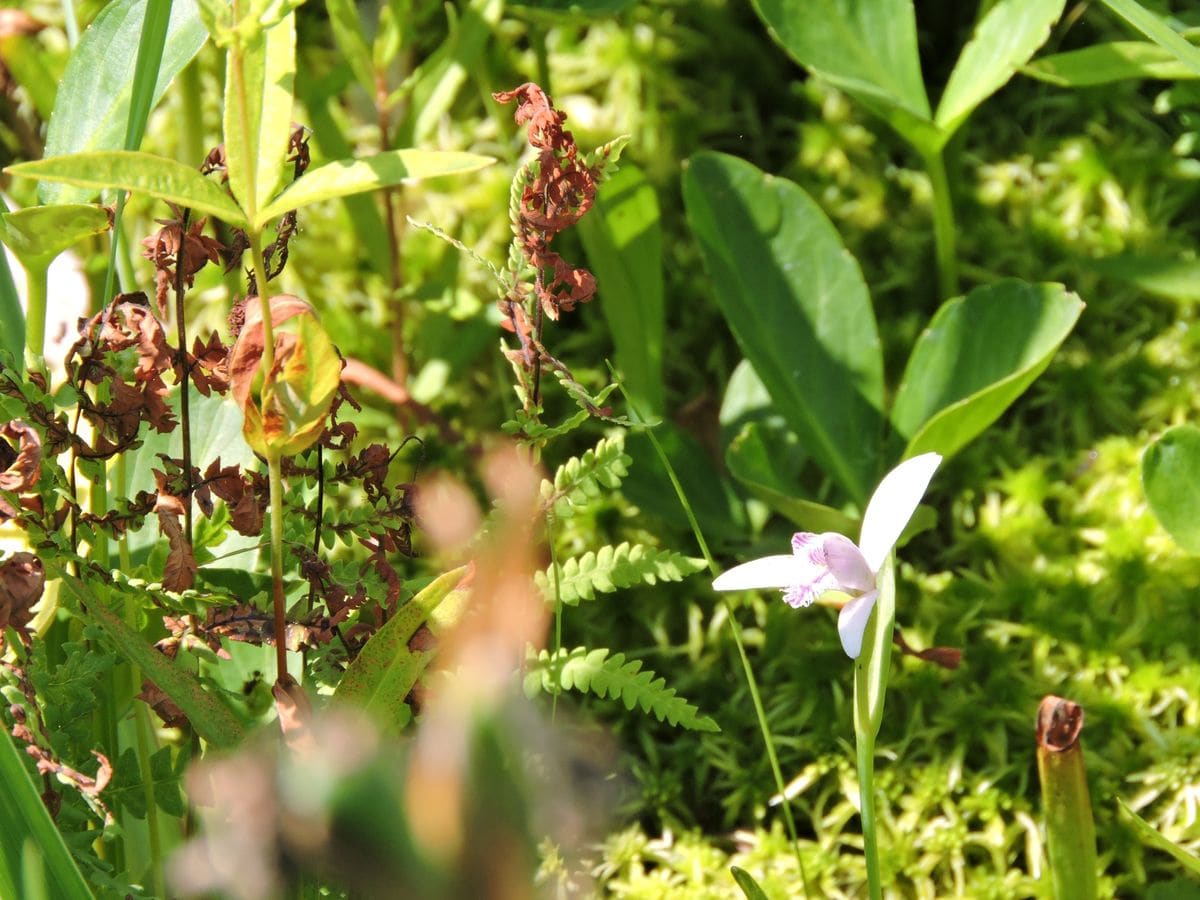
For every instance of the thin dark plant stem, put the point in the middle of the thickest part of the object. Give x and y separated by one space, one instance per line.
316 544
747 670
185 420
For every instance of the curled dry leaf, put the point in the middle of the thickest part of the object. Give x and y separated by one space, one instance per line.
296 394
179 240
22 462
180 571
22 581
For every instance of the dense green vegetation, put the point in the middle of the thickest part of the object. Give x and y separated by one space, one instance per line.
779 234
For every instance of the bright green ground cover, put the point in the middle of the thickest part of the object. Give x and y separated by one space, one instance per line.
1045 566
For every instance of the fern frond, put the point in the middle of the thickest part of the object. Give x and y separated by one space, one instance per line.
611 568
594 671
527 424
582 478
603 160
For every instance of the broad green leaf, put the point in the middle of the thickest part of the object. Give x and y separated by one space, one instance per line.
1170 277
1171 479
746 882
796 302
26 830
354 176
1151 837
868 48
757 458
1004 40
1157 30
258 115
978 354
346 24
39 233
385 670
94 99
12 316
212 719
623 239
437 82
1105 63
156 176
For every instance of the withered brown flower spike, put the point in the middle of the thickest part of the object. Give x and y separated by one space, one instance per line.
560 193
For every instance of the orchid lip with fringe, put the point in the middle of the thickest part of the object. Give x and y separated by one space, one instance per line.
832 562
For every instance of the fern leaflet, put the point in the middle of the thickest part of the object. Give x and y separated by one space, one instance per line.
596 672
582 478
612 568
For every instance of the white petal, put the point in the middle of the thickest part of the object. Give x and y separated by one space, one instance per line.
852 622
892 505
768 572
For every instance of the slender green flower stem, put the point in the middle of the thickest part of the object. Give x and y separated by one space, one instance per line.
870 687
751 681
943 225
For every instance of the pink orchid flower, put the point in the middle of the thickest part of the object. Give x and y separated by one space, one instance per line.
832 562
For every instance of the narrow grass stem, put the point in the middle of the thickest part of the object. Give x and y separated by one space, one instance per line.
36 274
747 670
943 225
865 746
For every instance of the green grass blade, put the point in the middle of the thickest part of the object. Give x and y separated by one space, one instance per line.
24 822
1157 30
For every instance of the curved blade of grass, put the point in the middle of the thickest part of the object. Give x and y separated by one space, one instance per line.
132 170
797 304
747 883
978 354
1010 33
212 719
1151 837
121 67
354 176
24 820
385 670
1157 30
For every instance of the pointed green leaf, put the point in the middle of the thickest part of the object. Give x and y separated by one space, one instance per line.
1171 479
385 670
750 887
156 176
623 239
756 458
867 48
39 233
1005 39
93 103
212 719
1171 277
796 302
1105 63
25 825
1151 837
978 354
354 176
258 114
1153 27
